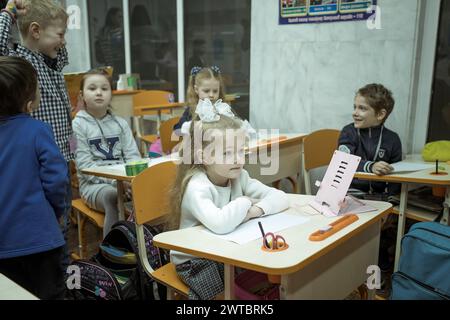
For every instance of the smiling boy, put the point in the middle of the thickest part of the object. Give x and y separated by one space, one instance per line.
42 25
368 138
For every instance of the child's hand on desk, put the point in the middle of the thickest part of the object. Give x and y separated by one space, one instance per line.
381 168
253 212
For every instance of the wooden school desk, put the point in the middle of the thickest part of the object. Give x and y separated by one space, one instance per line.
9 290
328 269
417 177
118 173
122 105
290 154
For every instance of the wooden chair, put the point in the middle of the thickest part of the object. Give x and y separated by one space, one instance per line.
168 139
150 201
149 98
83 214
318 149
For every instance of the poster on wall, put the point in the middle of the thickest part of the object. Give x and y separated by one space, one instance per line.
318 11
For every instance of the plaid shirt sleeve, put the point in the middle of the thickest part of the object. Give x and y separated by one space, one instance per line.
5 34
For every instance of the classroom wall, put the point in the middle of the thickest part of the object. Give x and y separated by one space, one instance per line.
304 76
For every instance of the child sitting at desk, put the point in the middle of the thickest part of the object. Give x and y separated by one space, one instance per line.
102 139
213 189
204 83
206 89
368 138
34 186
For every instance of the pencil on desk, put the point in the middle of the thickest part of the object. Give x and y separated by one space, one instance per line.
263 234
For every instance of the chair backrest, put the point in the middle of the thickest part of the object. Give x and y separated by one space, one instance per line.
151 98
318 149
168 139
150 189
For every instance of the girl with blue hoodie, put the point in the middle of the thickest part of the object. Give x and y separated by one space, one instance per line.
33 186
102 139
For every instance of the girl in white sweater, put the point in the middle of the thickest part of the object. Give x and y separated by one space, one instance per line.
213 189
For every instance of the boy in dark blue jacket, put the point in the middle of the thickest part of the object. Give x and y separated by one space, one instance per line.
33 186
368 138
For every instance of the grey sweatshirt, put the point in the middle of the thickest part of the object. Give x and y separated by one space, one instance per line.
101 142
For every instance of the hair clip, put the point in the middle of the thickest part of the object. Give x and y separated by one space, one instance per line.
195 70
216 69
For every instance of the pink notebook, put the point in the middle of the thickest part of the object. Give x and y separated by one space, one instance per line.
331 200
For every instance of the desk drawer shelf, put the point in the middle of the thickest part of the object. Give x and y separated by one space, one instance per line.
417 214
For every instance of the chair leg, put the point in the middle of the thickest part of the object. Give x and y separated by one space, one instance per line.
81 224
363 292
73 218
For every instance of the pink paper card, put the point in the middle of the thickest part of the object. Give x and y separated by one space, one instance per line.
331 198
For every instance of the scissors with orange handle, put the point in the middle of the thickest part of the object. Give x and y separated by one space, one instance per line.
273 242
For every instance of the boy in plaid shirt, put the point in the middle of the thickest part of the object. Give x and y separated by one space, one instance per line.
42 25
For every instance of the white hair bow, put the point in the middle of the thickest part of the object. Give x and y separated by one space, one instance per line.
247 127
207 112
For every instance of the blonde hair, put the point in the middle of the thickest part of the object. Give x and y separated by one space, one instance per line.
186 171
43 12
205 73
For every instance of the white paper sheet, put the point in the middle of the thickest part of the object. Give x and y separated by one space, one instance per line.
250 231
405 166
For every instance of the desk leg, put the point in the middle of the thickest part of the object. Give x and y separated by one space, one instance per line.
299 175
120 204
401 223
445 216
158 125
229 282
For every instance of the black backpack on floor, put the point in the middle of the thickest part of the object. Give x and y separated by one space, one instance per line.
116 273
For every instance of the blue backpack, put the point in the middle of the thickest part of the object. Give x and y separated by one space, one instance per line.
424 267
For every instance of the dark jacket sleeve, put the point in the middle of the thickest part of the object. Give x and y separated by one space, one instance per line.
184 118
52 170
394 188
348 142
396 150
